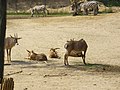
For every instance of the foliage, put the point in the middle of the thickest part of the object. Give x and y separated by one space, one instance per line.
27 15
110 3
109 10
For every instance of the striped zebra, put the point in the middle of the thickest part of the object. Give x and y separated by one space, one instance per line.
86 6
74 8
90 5
37 9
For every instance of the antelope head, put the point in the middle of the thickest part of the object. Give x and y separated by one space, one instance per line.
53 49
16 38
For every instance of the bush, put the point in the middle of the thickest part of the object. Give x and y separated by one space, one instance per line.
108 10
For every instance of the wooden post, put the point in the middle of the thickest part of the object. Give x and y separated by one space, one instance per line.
2 35
7 84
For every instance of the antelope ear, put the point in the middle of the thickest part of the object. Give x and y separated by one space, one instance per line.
27 50
51 49
66 46
34 52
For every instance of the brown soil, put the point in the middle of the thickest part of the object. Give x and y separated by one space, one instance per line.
102 34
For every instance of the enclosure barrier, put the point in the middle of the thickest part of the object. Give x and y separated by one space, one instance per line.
6 83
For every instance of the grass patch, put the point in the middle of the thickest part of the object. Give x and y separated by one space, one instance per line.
12 13
28 15
23 15
50 14
59 14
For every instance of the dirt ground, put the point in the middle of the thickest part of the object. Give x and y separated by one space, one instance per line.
101 32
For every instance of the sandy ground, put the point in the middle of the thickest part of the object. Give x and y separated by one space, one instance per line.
102 33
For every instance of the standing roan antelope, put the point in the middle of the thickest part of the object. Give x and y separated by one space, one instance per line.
9 44
53 53
75 49
34 56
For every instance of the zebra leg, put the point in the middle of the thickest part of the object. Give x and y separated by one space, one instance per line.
37 13
48 12
85 12
79 11
95 11
74 13
32 15
32 12
44 13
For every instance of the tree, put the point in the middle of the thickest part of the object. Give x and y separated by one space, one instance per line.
44 2
16 5
76 1
2 35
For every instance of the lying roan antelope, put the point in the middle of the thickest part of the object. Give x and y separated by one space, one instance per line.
53 53
9 44
34 56
75 49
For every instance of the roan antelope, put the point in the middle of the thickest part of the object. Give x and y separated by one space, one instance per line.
53 53
9 44
75 49
34 56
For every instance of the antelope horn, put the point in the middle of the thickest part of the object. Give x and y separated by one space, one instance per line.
57 48
11 36
27 50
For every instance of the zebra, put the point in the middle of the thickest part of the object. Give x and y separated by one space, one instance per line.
86 6
38 8
92 5
74 8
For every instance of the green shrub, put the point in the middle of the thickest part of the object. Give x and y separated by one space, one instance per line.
109 10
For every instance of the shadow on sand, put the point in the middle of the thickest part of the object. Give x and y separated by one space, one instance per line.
54 64
96 67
